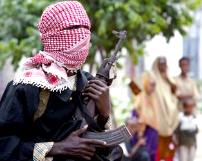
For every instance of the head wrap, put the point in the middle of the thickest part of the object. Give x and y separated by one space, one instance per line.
65 34
145 104
147 79
166 101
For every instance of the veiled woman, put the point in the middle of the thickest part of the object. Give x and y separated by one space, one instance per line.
146 108
167 113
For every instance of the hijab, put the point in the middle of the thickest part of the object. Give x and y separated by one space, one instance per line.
167 112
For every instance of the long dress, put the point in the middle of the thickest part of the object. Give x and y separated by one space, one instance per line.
167 114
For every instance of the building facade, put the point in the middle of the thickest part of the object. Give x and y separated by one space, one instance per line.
192 45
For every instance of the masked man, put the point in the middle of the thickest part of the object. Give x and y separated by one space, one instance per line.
53 75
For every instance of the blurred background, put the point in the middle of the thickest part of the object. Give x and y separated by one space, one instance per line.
170 28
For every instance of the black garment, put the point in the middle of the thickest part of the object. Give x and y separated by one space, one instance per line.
18 131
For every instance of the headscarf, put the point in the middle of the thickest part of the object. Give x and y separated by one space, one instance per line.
65 34
167 113
145 103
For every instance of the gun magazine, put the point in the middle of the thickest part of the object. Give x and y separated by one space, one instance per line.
111 137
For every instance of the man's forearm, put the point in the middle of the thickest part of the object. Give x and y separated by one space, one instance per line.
104 116
102 121
56 150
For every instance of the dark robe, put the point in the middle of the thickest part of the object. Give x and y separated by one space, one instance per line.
18 131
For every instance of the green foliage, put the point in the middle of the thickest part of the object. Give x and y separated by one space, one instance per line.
143 19
18 35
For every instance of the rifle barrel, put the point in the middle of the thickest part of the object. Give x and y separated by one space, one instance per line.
121 35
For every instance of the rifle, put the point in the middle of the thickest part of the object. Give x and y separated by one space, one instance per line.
120 134
103 72
112 137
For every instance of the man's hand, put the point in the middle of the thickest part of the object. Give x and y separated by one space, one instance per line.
76 146
99 92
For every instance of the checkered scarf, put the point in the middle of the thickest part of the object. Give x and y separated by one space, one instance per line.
65 34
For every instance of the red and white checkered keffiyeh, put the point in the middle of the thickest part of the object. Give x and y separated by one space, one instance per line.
65 34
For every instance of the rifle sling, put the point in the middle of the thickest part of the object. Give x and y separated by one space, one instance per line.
92 125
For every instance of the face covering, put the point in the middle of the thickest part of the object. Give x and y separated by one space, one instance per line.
65 34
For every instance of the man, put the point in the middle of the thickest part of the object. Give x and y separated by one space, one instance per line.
186 87
167 112
53 75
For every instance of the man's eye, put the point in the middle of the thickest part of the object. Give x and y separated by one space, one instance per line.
76 27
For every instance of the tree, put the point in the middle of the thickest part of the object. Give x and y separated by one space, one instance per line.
143 19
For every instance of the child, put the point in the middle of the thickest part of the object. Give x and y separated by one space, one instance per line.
139 151
135 149
186 131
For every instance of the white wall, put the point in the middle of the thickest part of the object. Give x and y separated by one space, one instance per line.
172 50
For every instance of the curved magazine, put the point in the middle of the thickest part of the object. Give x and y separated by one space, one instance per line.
111 137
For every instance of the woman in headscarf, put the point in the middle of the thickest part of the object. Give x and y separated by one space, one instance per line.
167 113
146 110
53 77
